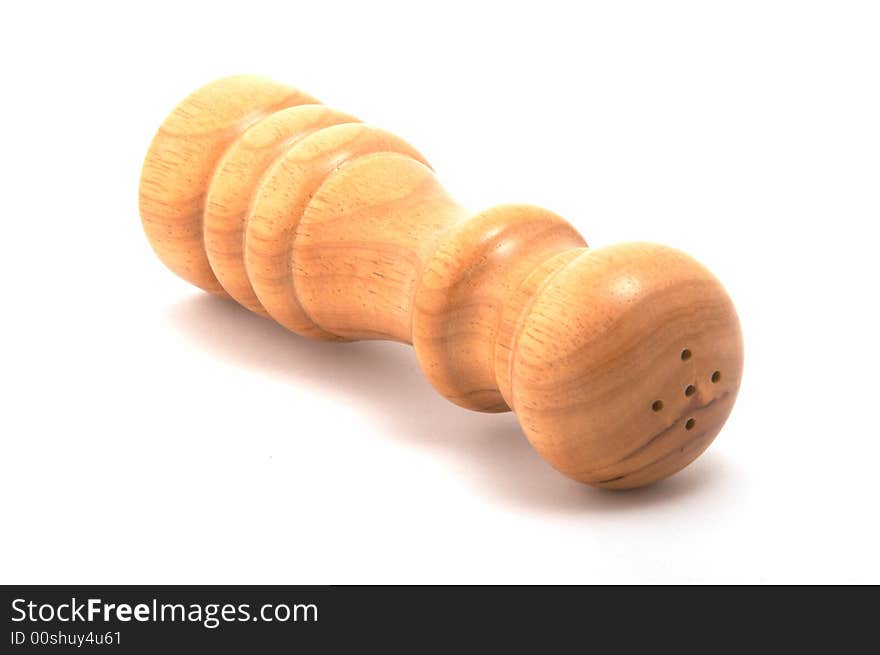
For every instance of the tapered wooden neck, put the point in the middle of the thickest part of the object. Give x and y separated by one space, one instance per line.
339 230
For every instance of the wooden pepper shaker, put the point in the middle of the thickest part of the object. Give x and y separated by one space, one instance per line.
622 363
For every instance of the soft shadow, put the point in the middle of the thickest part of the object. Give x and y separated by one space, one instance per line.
384 380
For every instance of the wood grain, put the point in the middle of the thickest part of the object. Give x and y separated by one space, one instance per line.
622 363
280 237
239 171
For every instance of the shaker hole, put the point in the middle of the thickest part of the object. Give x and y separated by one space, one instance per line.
690 424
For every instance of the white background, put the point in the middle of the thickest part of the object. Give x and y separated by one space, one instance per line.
153 434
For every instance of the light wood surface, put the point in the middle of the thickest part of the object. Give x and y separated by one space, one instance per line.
622 363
